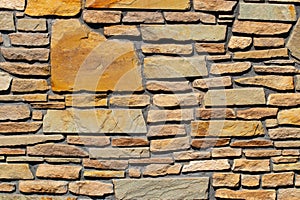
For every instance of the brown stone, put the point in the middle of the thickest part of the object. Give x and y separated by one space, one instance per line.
166 130
7 187
214 5
220 82
244 165
250 180
286 99
262 54
246 194
226 128
175 100
143 17
14 112
230 68
273 69
215 113
86 100
24 98
105 164
239 43
156 160
290 116
138 152
51 149
13 4
62 160
191 155
7 21
58 171
162 169
290 194
176 49
181 143
103 174
34 25
252 143
268 42
278 180
29 85
210 48
89 140
29 39
91 188
85 61
130 101
9 151
25 69
260 28
182 16
285 159
261 153
128 142
168 86
53 7
121 30
25 159
15 171
257 113
208 142
19 127
206 165
95 16
43 187
226 180
24 54
284 133
170 115
225 152
49 105
34 197
134 172
287 144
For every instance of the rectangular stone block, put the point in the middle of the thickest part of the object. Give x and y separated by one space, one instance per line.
119 153
7 21
15 171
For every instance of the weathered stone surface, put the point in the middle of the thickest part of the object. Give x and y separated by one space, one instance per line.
246 194
168 86
269 12
284 133
34 25
214 58
261 153
215 113
214 5
24 98
95 16
156 160
10 151
285 159
250 180
239 43
257 113
170 188
210 48
130 101
230 68
297 82
226 180
182 16
49 105
167 49
43 187
262 54
89 140
208 142
252 143
94 121
293 41
268 42
51 149
103 174
184 32
287 144
121 30
86 100
53 7
286 99
143 17
166 130
15 171
20 54
24 140
25 159
206 165
278 179
219 82
170 115
29 85
244 165
174 100
227 128
105 164
190 155
13 4
91 188
260 28
139 4
290 116
7 187
129 141
5 81
24 69
7 21
14 112
291 194
119 152
275 69
174 67
235 97
134 172
225 152
32 197
181 143
162 169
286 167
19 127
67 37
29 39
271 123
58 171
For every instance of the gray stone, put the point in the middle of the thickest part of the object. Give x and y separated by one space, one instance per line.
7 21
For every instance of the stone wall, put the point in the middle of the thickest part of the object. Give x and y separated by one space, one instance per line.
149 99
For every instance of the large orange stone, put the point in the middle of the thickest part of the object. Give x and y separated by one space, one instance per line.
85 60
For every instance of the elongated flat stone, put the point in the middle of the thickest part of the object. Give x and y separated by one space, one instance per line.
284 133
119 152
246 194
169 188
206 165
262 54
24 140
19 127
94 121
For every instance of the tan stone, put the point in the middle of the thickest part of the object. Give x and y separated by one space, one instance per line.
191 155
206 165
7 187
214 5
285 159
230 68
53 7
215 113
168 86
226 180
252 143
290 116
15 171
181 143
261 153
214 58
290 194
166 130
287 144
246 194
275 69
95 16
37 115
51 149
105 164
250 180
174 100
278 180
239 43
139 4
43 187
257 113
63 160
20 54
204 33
134 172
14 112
94 121
170 115
268 42
24 98
293 41
24 69
89 140
49 105
176 49
156 67
244 165
86 100
162 169
96 60
182 16
7 21
143 17
226 152
13 4
25 159
121 30
156 160
91 188
210 48
280 62
286 167
284 133
128 141
208 142
19 127
271 123
29 39
24 140
219 82
226 128
286 99
9 151
130 101
29 85
103 174
262 54
297 82
33 197
141 152
34 25
58 171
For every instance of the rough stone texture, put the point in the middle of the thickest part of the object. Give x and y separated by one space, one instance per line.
169 115
86 100
29 85
23 54
215 113
7 21
282 100
24 69
250 180
24 140
214 5
104 174
58 171
127 142
262 54
273 69
29 39
225 152
290 116
207 143
89 140
94 16
188 188
105 164
5 81
239 43
181 143
43 187
268 42
6 187
257 113
13 4
168 86
221 82
252 143
119 153
277 179
167 48
166 130
170 100
14 112
130 101
293 41
162 170
15 171
19 127
246 194
34 25
291 193
244 165
206 165
226 179
143 17
230 68
284 133
218 48
121 30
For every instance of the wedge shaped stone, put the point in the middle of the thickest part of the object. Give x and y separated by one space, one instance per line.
15 171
